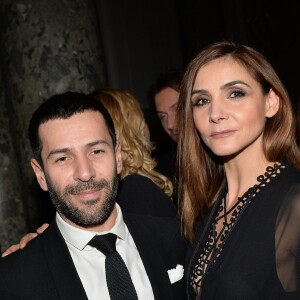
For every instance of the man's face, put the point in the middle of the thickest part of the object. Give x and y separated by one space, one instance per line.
166 108
80 168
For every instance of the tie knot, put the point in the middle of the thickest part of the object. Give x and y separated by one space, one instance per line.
105 243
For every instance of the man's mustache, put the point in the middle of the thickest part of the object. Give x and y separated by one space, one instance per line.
85 186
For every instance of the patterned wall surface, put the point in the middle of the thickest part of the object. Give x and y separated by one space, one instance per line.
48 47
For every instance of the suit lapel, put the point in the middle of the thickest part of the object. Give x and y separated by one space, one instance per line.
61 265
152 260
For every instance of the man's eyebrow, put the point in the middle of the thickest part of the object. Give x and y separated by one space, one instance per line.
160 112
174 105
231 83
98 142
164 112
58 151
69 149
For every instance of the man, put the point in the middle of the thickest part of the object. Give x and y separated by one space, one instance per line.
77 159
164 95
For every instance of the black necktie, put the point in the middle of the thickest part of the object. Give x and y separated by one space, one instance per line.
119 283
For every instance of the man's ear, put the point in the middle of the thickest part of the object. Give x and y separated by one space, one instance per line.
39 173
272 104
119 157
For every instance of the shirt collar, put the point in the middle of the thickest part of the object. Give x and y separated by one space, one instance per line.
79 238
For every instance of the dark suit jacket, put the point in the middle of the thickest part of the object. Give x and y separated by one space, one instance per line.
139 195
45 270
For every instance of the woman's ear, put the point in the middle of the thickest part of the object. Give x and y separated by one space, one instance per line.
272 104
39 173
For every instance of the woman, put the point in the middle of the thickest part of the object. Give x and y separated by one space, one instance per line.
238 177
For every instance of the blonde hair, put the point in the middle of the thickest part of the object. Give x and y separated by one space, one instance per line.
201 174
130 129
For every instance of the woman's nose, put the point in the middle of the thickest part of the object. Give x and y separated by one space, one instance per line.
218 112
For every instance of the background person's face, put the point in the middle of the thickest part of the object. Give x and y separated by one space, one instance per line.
80 168
166 108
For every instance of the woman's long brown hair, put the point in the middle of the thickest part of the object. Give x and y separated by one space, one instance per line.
200 172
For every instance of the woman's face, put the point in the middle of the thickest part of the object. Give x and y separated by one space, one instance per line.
229 108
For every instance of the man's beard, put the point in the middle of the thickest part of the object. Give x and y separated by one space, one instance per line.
93 214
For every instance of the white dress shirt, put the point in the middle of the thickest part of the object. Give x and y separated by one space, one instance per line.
90 263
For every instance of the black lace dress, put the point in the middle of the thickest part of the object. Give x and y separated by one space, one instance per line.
250 251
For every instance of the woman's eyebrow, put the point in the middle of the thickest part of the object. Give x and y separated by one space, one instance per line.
234 82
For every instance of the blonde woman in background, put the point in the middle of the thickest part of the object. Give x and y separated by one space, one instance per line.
141 187
133 133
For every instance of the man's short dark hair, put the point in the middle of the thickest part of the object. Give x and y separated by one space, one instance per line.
171 79
64 106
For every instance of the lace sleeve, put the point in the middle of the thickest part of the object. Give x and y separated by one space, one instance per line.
287 238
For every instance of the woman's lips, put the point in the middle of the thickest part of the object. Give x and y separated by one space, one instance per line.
222 134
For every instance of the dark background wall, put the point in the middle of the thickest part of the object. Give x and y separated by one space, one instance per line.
142 39
272 27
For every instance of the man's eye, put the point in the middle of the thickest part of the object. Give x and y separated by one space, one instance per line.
98 151
61 159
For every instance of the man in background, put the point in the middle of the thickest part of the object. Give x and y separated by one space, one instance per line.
164 95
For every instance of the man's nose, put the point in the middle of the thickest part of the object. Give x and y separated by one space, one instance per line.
172 121
84 169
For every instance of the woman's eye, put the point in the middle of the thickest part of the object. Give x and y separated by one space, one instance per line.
237 94
200 102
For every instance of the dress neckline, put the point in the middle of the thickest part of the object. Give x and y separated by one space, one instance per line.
216 240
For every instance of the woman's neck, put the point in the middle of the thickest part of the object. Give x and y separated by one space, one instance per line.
242 172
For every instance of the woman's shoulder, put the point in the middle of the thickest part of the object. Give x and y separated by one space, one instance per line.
293 173
289 179
279 177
